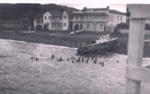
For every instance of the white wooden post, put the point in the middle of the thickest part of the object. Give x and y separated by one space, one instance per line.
135 73
135 52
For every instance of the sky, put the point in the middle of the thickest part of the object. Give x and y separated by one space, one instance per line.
119 5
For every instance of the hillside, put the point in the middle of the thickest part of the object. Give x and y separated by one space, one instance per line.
28 11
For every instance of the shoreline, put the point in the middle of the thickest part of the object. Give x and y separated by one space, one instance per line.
65 39
64 47
57 46
75 77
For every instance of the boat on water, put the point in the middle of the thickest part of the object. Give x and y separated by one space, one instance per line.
77 32
102 45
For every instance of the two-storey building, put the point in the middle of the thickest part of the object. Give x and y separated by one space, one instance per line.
55 20
97 19
87 19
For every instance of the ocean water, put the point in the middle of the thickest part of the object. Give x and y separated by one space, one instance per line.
19 74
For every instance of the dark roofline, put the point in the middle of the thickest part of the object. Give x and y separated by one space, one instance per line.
116 12
103 9
59 12
69 12
89 13
56 13
97 9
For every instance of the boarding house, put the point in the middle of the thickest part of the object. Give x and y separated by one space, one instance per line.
53 20
97 19
87 19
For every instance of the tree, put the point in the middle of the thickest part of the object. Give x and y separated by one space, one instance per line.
122 26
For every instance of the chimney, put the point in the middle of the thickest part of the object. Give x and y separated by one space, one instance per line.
84 9
107 7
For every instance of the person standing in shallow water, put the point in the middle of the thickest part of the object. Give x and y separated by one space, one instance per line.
36 59
78 59
102 64
71 57
52 57
68 59
87 61
82 59
60 59
95 61
31 58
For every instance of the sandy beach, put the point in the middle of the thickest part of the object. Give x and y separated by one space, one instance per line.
19 74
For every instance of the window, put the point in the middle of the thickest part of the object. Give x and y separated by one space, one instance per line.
81 17
76 17
65 17
49 17
65 24
120 17
45 17
101 24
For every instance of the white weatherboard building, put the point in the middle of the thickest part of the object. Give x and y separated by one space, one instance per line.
53 20
88 19
97 19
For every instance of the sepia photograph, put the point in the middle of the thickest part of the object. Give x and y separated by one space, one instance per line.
74 47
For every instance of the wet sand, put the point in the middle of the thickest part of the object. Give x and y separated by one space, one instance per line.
22 73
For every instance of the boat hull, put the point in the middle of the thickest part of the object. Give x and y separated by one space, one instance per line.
98 48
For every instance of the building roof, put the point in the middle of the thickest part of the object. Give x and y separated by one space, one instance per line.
103 14
59 13
69 12
98 9
56 13
117 12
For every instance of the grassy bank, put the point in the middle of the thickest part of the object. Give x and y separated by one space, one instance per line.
63 38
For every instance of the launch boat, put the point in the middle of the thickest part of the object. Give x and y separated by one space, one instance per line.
103 44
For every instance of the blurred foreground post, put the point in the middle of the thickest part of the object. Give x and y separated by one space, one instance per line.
135 52
137 13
